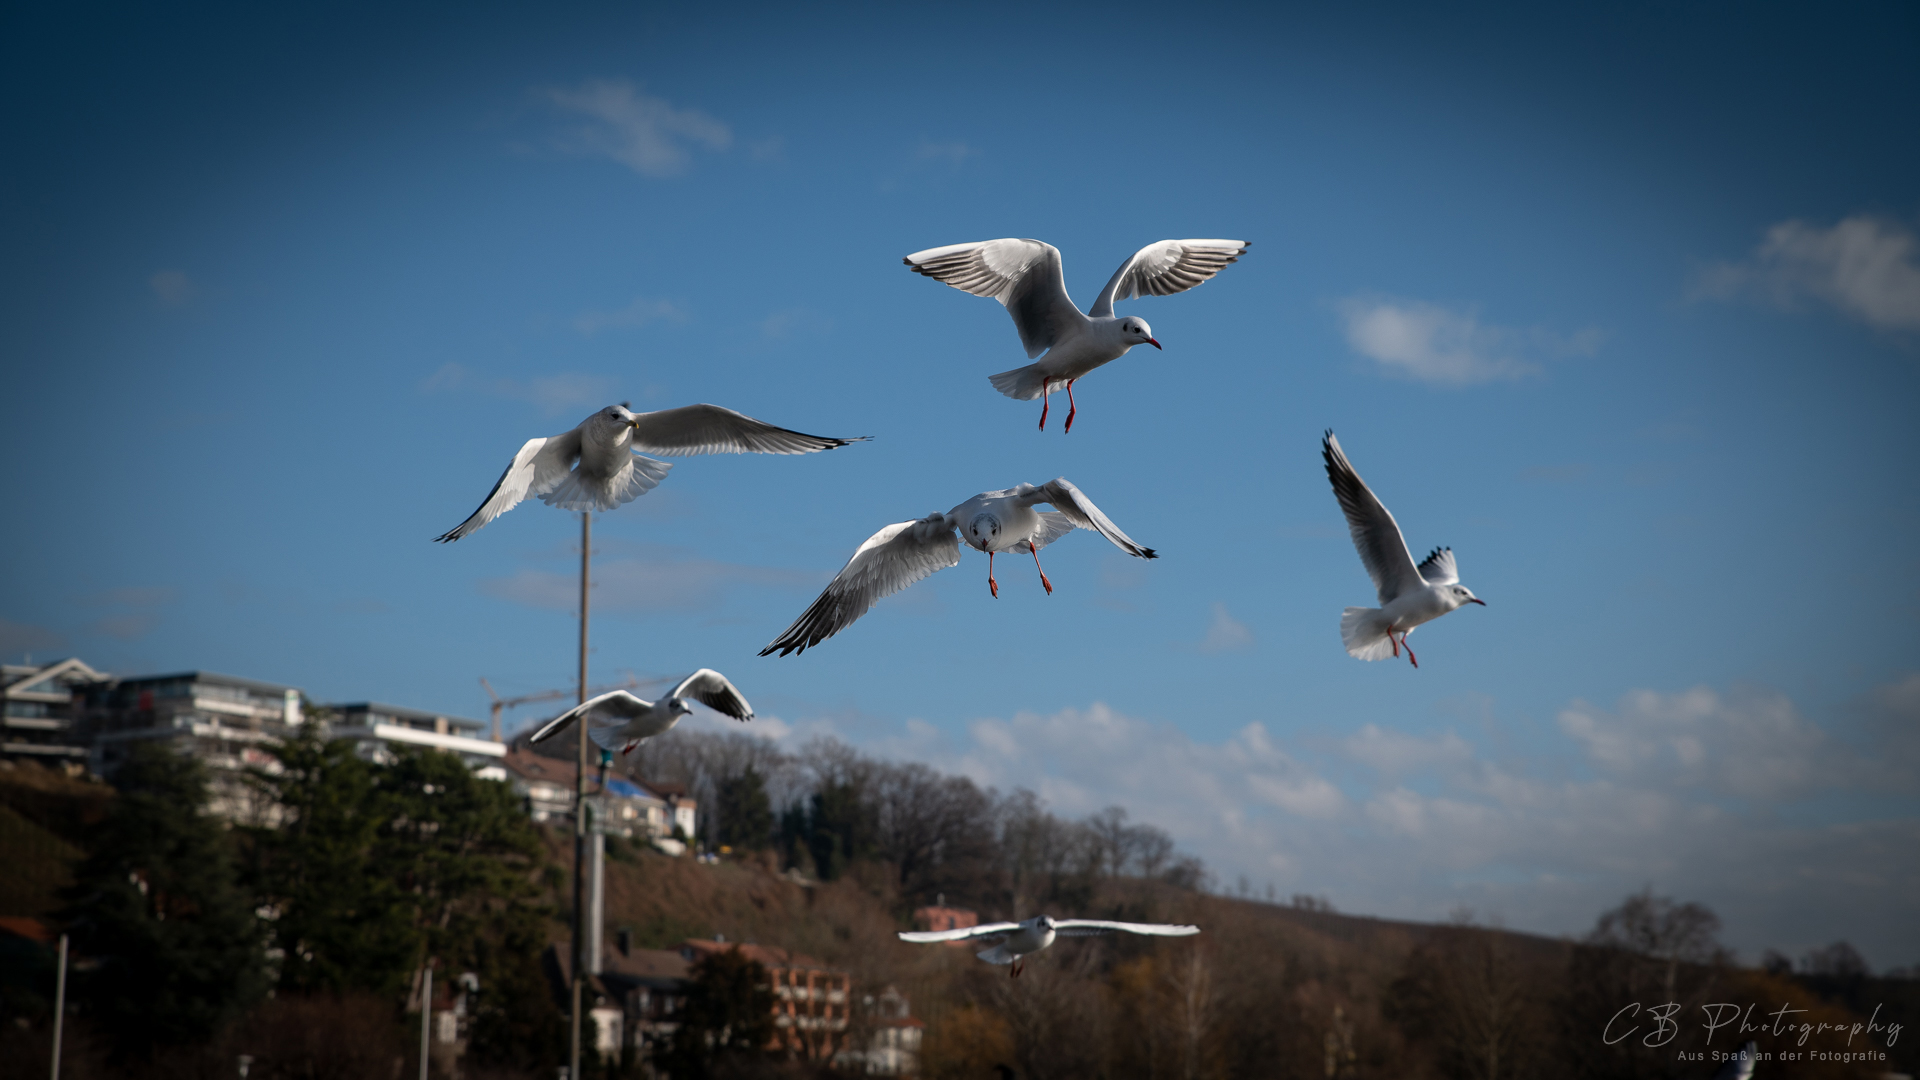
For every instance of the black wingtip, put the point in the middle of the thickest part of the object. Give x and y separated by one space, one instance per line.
1149 553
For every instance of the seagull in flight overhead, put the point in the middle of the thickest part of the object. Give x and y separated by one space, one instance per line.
599 465
1409 594
1022 939
1026 277
620 721
906 551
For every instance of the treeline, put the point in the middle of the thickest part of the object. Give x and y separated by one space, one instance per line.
827 807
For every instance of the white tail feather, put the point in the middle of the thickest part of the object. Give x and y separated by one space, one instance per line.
1021 384
997 955
1365 634
636 478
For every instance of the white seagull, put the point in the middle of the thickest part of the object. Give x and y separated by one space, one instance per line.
1025 276
610 469
1409 594
1021 939
620 721
906 551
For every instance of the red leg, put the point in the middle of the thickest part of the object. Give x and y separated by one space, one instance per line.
1393 641
1014 972
992 584
628 749
1037 566
1071 407
1045 402
1409 648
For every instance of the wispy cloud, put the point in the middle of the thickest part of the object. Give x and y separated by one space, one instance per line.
951 151
553 394
645 133
640 312
17 638
1864 265
1433 344
792 322
140 614
656 579
172 287
1225 633
1733 798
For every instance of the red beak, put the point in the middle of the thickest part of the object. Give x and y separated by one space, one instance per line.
1155 344
1477 600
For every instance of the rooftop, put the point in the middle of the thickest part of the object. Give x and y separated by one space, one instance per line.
403 714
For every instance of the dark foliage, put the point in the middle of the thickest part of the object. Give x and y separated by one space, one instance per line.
157 904
726 1022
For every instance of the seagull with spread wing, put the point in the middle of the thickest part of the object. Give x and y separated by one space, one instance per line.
1026 277
620 721
600 465
1022 939
907 551
1409 594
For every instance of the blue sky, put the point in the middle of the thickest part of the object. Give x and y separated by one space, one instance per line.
1624 306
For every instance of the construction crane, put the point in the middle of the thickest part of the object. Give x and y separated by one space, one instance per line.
501 704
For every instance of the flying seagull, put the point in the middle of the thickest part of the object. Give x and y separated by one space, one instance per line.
1025 276
1409 594
1022 939
906 551
611 471
620 721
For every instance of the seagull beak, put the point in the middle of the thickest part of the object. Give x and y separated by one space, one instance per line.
1477 600
1155 344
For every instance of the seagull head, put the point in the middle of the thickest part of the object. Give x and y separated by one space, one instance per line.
1462 596
617 414
1136 332
982 530
679 707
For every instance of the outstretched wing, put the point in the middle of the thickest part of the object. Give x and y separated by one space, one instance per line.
1080 510
1439 569
1024 275
619 704
1052 527
890 560
538 468
1082 927
1167 267
710 429
710 688
962 934
1375 534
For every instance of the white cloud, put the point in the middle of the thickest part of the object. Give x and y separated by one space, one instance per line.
642 132
1430 343
952 151
793 322
1724 797
1225 633
1865 266
636 314
172 287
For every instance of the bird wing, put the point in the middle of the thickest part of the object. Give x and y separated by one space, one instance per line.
1052 527
538 468
1167 267
1079 510
710 429
1439 568
618 703
1024 275
962 934
890 560
1079 927
1375 534
710 688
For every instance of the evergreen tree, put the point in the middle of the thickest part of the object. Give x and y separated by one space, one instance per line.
158 904
727 1021
746 815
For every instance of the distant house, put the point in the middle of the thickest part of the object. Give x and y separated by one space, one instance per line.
377 728
893 1038
812 1002
650 986
43 708
681 805
941 917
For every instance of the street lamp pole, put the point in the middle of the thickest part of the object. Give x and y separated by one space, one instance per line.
580 819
